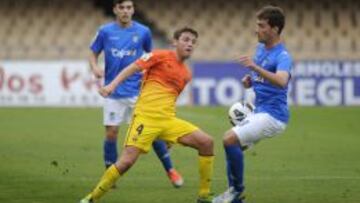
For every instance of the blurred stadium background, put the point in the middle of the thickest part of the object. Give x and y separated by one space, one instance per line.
43 53
50 39
62 29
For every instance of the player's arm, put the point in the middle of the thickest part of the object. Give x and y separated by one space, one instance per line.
129 70
96 48
279 78
93 62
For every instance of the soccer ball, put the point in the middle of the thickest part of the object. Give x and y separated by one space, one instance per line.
239 111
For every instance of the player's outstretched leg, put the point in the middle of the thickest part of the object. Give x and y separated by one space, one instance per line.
113 173
205 146
161 150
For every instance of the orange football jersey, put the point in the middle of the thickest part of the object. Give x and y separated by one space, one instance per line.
164 79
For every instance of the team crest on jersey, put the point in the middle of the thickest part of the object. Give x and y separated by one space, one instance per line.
135 38
146 56
112 116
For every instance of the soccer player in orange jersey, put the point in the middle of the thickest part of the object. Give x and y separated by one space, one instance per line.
122 42
165 76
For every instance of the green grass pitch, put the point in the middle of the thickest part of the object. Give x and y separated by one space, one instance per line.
54 155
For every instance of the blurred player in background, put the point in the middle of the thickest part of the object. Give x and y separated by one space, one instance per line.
154 115
270 75
123 41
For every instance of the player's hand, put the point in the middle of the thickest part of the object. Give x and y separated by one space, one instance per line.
246 81
246 61
98 72
106 90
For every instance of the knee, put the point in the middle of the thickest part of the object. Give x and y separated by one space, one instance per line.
207 142
111 133
230 138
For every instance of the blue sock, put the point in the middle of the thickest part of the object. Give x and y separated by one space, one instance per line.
162 152
235 159
228 173
110 152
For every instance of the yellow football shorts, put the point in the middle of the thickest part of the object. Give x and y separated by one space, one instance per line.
143 131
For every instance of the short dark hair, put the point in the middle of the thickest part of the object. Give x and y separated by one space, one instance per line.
121 1
178 32
274 15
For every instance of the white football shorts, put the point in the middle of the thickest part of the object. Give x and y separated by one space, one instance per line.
257 126
117 111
